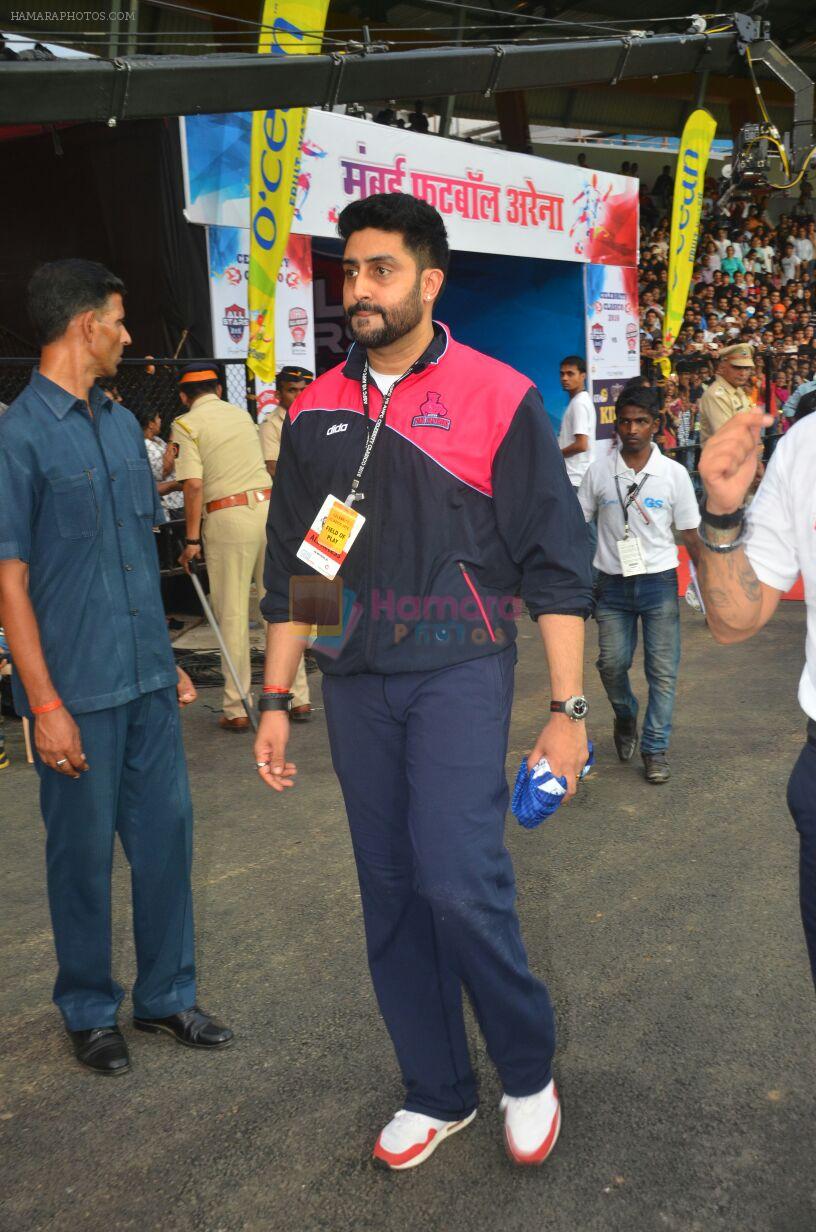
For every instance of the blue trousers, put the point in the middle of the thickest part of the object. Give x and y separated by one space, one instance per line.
802 804
652 599
420 758
136 787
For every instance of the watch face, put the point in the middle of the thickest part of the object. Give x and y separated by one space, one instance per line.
577 707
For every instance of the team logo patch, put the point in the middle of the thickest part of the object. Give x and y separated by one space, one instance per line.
432 413
236 321
597 334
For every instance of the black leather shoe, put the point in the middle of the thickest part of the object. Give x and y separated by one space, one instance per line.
625 734
191 1027
656 767
102 1049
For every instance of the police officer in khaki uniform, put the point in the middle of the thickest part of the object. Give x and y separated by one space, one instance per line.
289 382
726 394
226 499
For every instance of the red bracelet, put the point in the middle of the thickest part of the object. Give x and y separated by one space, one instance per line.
274 688
48 707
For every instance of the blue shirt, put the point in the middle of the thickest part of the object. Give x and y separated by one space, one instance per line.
78 503
807 387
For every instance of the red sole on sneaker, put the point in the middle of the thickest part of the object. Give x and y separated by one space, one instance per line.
544 1151
398 1163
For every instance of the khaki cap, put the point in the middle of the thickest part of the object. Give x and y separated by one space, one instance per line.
741 355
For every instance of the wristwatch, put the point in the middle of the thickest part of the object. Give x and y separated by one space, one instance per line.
575 708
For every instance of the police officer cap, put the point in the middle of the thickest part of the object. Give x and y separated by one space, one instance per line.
293 373
741 355
201 370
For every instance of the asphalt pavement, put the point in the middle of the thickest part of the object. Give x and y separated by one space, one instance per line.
664 919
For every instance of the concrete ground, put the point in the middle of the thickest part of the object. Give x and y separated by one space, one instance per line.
664 919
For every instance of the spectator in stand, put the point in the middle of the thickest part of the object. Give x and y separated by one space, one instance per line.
417 119
162 457
803 248
664 187
790 264
731 263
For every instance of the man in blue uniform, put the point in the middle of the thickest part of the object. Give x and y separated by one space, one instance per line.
93 668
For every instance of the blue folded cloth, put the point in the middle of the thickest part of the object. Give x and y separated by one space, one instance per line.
538 792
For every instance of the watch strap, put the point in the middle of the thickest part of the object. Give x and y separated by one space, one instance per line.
275 701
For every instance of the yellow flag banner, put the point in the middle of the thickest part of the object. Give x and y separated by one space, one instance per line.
290 28
689 182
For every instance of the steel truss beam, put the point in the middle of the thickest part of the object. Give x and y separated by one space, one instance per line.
146 87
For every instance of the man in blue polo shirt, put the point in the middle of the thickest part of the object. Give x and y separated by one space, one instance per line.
93 667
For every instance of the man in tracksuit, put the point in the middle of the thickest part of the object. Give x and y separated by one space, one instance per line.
450 459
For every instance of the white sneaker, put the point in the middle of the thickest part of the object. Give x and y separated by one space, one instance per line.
531 1125
410 1137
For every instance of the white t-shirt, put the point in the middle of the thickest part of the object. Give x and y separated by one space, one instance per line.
383 380
803 248
790 265
579 420
666 498
781 533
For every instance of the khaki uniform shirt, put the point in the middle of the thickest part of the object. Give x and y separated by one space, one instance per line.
270 434
718 404
219 443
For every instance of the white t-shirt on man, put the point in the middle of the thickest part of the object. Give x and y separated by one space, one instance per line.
781 534
579 420
666 499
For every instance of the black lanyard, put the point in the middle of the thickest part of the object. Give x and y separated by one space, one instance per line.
631 497
355 494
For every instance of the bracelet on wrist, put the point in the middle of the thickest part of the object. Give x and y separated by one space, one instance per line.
722 521
47 707
275 688
193 543
728 546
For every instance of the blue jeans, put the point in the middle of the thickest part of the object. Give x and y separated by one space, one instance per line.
420 757
653 598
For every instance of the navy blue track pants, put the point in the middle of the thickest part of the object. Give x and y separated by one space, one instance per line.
420 758
802 804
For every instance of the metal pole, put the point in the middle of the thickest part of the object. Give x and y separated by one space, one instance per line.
213 623
446 114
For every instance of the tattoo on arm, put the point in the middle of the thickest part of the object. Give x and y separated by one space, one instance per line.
731 589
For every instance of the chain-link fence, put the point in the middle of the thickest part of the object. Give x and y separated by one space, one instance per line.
146 384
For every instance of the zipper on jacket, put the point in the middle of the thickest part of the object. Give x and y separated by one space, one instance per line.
478 598
370 630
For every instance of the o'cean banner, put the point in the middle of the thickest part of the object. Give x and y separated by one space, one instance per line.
291 27
692 160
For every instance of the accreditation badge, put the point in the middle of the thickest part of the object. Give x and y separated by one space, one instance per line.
330 537
630 555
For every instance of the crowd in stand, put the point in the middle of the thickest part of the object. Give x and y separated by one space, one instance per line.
754 282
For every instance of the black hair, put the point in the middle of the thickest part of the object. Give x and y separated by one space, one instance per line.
59 290
575 361
146 415
419 224
634 394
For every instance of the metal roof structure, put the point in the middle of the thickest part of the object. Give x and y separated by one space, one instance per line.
579 66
